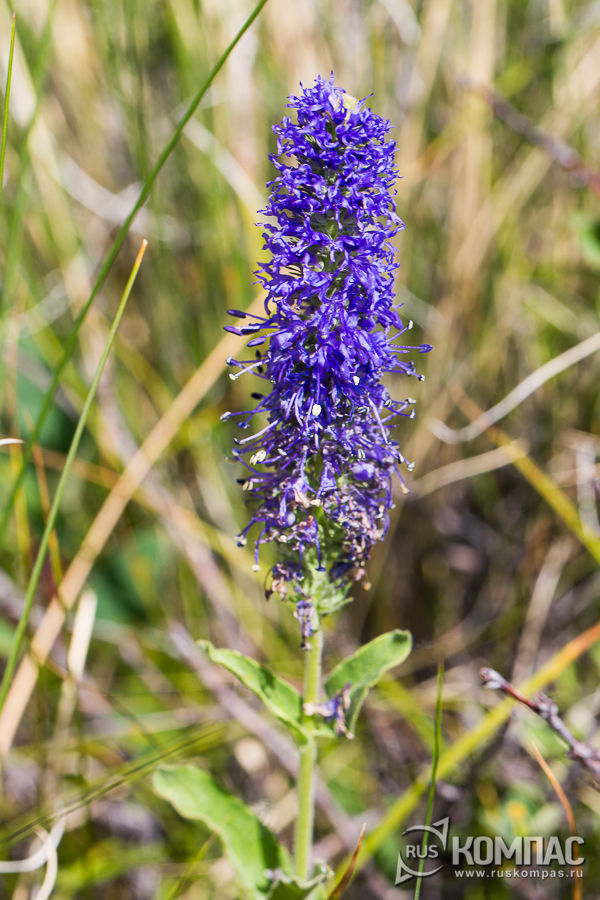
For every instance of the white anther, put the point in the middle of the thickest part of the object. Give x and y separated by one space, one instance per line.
316 409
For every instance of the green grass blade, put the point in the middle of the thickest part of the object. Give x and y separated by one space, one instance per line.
38 73
470 742
37 567
437 744
554 496
6 100
112 255
197 739
13 254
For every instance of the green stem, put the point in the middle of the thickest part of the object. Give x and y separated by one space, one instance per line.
308 757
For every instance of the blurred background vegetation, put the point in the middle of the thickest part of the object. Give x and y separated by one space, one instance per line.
499 271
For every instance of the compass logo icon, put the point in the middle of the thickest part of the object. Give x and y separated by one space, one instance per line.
414 854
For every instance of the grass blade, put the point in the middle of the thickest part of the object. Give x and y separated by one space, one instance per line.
437 743
37 567
112 255
470 742
345 880
6 100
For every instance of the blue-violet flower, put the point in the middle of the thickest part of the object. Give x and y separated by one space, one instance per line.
319 468
334 710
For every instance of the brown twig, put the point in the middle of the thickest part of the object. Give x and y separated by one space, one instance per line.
557 149
547 709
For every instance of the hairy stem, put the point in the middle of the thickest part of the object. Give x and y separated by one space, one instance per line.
308 757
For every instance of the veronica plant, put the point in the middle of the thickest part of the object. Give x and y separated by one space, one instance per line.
320 458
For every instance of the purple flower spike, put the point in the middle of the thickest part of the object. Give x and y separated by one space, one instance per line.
321 461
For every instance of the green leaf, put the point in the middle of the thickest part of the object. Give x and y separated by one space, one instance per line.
263 866
279 696
366 667
104 861
588 230
290 887
251 848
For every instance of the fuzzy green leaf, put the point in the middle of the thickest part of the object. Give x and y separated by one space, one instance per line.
365 668
251 848
263 866
290 887
279 696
